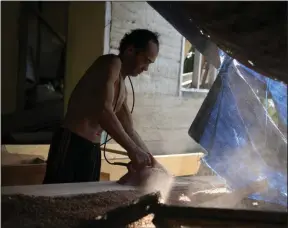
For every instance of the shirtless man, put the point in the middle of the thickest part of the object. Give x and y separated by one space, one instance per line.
99 101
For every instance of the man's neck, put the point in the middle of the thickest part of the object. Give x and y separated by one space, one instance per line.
123 73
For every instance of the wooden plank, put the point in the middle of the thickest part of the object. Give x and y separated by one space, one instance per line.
12 175
30 174
37 150
65 189
16 159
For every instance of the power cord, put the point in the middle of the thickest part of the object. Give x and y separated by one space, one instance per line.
106 139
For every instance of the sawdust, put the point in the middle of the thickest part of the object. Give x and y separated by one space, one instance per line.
150 179
27 211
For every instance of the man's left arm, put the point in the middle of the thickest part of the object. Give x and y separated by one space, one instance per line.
125 118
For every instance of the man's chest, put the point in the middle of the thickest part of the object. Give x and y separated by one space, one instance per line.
120 94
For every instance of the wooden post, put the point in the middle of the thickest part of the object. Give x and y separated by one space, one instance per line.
182 58
85 41
212 75
197 69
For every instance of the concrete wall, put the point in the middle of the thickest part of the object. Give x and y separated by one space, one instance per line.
9 50
163 122
85 40
161 117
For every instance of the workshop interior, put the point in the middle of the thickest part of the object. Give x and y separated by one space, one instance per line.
212 109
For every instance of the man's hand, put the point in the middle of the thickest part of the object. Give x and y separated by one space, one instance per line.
140 158
139 162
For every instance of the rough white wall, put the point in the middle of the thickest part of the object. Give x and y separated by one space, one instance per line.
160 117
163 122
162 76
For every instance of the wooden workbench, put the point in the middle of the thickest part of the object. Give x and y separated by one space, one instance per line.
176 164
95 187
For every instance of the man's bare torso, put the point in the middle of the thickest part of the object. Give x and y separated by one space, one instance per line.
87 100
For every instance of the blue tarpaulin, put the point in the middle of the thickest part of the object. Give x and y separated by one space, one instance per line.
242 125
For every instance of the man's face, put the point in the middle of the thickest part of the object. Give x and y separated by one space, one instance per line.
139 61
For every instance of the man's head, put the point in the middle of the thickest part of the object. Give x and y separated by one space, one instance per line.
138 49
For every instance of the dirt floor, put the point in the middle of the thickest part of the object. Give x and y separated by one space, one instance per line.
26 211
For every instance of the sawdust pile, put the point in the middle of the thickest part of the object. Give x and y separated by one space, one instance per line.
29 211
26 211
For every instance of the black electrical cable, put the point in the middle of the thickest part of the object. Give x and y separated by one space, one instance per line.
106 139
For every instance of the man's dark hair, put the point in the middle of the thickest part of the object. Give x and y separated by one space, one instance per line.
139 38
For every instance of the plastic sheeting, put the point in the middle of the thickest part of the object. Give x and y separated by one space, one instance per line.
242 125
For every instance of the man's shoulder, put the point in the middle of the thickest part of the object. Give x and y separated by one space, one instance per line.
110 59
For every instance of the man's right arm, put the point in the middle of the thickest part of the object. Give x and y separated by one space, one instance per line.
108 119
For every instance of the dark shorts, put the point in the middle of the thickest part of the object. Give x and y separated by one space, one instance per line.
72 159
